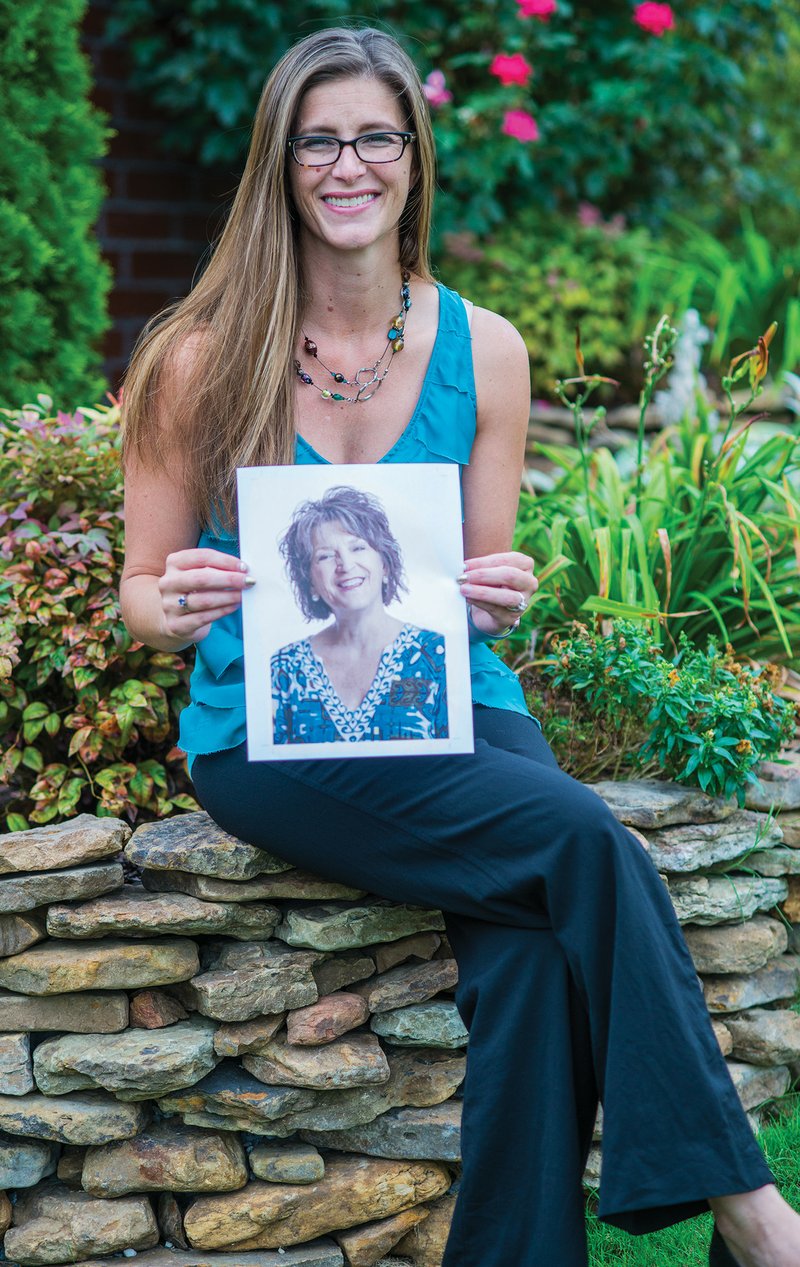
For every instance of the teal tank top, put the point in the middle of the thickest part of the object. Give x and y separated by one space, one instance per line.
441 429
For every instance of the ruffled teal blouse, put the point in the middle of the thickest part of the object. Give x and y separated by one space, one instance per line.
441 429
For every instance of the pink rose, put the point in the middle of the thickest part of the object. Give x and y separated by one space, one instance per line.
510 68
521 125
655 18
541 9
434 89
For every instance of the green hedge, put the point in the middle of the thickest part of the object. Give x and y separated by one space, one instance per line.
53 284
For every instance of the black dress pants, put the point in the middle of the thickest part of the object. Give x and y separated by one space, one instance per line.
574 979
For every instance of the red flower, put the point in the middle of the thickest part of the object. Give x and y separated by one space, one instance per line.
541 9
655 18
521 125
510 68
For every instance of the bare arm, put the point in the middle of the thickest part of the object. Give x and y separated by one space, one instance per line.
497 578
161 560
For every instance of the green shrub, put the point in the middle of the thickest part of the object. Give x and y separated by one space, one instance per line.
613 705
85 713
626 119
698 531
737 287
547 275
53 283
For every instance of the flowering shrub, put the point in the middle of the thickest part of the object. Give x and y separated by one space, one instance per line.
614 705
85 712
632 107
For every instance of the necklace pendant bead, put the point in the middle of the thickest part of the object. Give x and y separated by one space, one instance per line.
326 394
394 334
337 396
305 378
339 378
311 347
398 345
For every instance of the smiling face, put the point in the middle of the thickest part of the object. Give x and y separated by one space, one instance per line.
352 203
346 571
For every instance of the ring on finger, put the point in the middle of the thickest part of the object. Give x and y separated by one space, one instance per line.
183 602
520 606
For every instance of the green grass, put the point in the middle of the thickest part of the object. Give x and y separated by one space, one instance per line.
686 1244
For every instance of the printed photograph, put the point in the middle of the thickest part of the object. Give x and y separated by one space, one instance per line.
355 633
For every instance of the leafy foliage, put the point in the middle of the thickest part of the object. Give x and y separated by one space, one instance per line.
53 283
628 120
737 287
699 531
614 704
548 275
85 713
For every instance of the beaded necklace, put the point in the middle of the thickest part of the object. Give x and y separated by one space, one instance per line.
366 387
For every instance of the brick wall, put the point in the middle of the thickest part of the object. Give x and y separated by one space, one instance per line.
160 213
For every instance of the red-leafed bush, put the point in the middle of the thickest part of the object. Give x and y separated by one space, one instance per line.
86 714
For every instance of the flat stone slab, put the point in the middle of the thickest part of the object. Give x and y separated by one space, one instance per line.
340 926
433 1024
775 862
765 1037
194 842
61 967
24 892
778 794
426 1242
250 980
325 1020
166 1158
319 1253
408 983
55 1224
238 1037
18 932
433 1134
354 1190
60 845
692 848
418 1077
138 1064
334 972
230 1092
16 1076
83 1118
355 1060
755 1086
415 946
790 826
288 886
778 979
286 1163
714 899
154 1009
646 803
133 912
84 1013
736 948
363 1245
25 1162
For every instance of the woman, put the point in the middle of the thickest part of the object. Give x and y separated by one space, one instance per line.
575 981
365 675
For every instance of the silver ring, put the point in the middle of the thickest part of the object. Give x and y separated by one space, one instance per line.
183 602
522 605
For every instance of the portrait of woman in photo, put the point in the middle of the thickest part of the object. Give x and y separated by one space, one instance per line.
366 674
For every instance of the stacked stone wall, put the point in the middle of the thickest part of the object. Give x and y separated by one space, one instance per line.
208 1057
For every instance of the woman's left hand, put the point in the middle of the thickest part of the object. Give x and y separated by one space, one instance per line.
500 586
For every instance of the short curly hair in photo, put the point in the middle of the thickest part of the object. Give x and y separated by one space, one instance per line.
359 513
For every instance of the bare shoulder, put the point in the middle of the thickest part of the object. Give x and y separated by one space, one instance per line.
502 373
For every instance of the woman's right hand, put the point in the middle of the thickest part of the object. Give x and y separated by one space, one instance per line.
210 581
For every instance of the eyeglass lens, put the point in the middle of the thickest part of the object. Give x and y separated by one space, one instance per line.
376 147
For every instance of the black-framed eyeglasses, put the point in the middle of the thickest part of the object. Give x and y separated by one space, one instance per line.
373 147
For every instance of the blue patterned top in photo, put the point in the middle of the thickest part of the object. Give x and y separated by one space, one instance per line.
407 698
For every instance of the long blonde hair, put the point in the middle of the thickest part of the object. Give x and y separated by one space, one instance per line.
242 318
